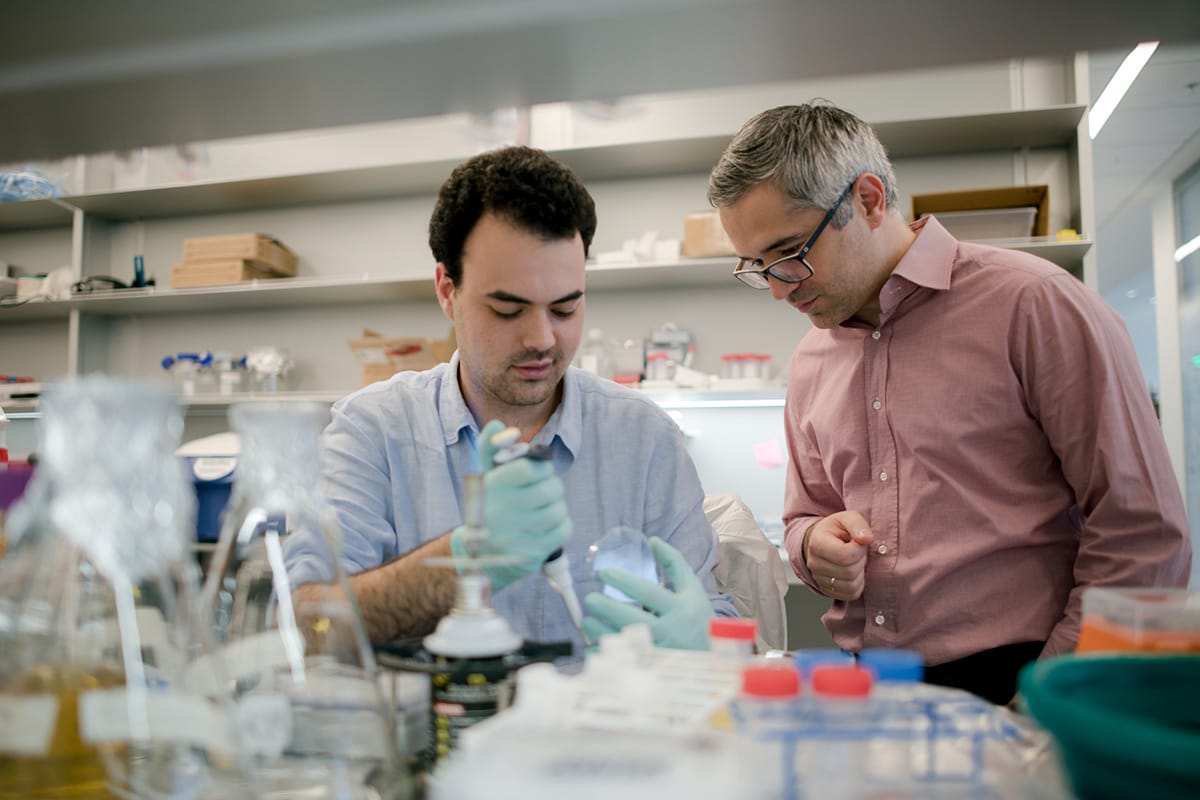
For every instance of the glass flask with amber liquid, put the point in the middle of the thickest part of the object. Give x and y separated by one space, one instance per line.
105 688
292 641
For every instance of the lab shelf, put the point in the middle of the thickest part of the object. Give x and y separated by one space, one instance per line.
218 404
660 155
16 311
33 214
1044 127
256 294
331 291
1068 254
247 296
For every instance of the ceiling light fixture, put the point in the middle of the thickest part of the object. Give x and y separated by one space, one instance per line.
1187 249
1107 102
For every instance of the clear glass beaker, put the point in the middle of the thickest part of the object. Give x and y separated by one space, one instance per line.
103 619
628 549
301 669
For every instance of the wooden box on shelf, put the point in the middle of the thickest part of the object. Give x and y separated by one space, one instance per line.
266 252
382 357
216 273
703 236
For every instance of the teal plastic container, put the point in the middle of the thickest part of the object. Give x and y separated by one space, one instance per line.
1127 725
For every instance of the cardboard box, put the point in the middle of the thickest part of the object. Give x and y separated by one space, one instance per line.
266 252
1037 196
382 357
703 236
216 273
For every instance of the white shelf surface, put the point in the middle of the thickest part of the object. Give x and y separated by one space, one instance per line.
246 296
33 214
329 291
1045 127
205 404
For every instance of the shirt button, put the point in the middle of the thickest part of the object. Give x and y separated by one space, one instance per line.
879 620
875 334
883 476
877 405
882 549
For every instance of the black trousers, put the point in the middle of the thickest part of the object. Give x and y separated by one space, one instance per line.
991 674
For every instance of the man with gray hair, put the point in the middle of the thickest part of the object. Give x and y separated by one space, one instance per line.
970 440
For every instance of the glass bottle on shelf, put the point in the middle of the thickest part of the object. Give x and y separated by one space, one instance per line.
104 688
295 648
593 355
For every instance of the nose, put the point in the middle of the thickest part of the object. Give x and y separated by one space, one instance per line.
779 289
538 332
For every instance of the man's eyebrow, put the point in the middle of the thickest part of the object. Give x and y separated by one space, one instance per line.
506 297
792 239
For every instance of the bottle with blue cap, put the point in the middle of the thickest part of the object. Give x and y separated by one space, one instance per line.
896 672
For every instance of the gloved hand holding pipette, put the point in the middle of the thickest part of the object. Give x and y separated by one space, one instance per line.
676 618
524 511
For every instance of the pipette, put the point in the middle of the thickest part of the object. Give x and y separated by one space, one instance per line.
557 567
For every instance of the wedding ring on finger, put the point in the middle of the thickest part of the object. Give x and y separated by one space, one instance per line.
832 581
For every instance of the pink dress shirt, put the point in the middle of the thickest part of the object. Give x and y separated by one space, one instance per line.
998 437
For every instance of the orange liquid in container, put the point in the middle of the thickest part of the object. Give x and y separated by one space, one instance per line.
1100 636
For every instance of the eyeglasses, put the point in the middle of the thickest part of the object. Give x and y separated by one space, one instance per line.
751 272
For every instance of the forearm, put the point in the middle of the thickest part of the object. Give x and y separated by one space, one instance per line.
404 598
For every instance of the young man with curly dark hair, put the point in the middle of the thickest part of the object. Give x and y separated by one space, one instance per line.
510 233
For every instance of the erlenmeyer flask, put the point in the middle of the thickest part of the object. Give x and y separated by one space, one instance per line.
104 613
302 671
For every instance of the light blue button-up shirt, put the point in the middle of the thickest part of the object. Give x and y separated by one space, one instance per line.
396 452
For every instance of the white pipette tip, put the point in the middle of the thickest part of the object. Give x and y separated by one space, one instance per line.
506 437
558 575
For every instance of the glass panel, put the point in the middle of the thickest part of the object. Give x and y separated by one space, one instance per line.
1187 204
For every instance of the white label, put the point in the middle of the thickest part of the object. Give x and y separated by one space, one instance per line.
210 468
265 723
122 715
27 723
255 655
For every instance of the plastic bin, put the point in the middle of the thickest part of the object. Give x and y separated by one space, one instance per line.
1140 620
989 223
1127 725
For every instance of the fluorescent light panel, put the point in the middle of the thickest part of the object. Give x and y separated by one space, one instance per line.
1106 104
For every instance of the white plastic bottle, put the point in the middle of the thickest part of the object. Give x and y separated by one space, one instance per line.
732 638
768 710
593 354
834 762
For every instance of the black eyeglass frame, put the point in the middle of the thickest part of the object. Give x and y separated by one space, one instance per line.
757 278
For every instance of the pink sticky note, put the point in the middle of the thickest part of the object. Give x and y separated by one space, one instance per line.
768 454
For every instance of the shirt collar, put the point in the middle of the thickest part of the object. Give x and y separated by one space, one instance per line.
452 406
566 423
930 259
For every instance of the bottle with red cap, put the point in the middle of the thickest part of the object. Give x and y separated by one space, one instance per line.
844 721
732 638
768 710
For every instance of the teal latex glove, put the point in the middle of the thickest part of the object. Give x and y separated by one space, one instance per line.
677 618
523 510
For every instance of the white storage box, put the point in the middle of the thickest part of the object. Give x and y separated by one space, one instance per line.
989 223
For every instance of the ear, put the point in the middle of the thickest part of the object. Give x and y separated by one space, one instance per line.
870 193
445 291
